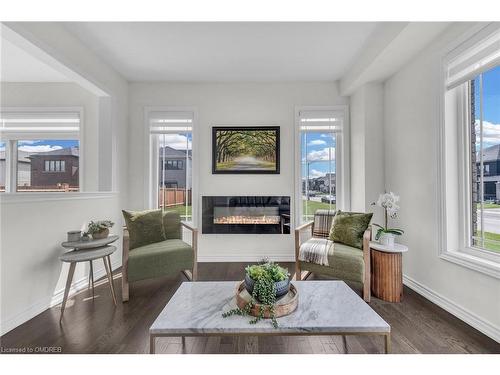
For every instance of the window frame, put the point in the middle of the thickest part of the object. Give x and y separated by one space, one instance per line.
454 205
11 149
342 159
151 160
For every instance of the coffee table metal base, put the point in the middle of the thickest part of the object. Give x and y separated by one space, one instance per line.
387 337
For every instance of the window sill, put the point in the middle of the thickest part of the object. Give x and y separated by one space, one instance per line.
25 197
474 262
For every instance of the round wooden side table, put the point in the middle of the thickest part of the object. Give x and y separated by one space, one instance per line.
387 271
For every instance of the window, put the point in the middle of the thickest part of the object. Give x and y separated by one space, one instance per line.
469 171
485 159
486 170
40 151
174 165
319 136
171 139
55 166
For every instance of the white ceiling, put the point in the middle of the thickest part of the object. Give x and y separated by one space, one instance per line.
226 51
16 65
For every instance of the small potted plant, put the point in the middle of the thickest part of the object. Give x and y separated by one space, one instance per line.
266 283
386 235
99 229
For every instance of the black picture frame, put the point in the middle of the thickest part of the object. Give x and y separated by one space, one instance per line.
215 151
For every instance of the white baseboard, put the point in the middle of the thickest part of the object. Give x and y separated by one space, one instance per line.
461 313
245 258
42 305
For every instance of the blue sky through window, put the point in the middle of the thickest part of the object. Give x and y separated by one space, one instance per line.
491 107
33 146
317 150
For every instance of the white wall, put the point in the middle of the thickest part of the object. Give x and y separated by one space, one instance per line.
358 135
32 277
63 95
31 274
229 104
412 115
367 149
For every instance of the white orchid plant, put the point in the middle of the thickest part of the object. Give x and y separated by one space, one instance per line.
389 202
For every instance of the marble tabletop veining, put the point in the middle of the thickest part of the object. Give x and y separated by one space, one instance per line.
324 306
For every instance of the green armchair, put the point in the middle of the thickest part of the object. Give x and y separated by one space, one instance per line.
344 263
165 254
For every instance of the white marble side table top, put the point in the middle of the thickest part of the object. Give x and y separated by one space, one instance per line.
397 248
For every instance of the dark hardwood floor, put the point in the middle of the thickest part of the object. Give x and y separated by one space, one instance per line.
96 326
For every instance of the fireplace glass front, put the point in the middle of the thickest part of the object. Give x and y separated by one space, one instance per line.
245 214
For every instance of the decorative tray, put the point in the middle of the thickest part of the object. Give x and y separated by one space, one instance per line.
284 306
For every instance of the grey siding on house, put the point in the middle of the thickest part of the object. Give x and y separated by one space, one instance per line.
170 177
491 162
23 169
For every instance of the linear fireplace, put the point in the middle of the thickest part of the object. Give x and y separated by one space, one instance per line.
246 214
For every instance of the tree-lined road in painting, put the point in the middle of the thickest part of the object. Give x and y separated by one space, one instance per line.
245 150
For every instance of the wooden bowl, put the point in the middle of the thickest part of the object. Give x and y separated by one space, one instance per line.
282 307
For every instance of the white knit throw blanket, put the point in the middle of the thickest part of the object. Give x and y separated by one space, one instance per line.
316 250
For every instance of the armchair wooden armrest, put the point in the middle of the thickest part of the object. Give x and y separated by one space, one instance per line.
194 245
125 250
298 242
366 257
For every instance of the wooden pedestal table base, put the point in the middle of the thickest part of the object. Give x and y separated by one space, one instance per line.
387 271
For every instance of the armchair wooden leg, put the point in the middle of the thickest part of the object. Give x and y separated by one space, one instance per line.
195 271
125 289
297 271
366 291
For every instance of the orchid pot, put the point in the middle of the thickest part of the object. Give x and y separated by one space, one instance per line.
387 239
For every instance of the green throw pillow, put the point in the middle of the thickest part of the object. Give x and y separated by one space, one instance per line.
348 228
172 225
144 227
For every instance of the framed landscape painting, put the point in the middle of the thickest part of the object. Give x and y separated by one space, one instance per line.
249 150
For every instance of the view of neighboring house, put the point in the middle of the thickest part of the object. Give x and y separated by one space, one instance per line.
321 184
23 169
54 168
491 172
172 168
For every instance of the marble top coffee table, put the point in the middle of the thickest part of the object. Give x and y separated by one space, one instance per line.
325 308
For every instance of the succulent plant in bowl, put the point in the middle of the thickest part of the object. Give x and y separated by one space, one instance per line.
268 271
99 229
266 283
